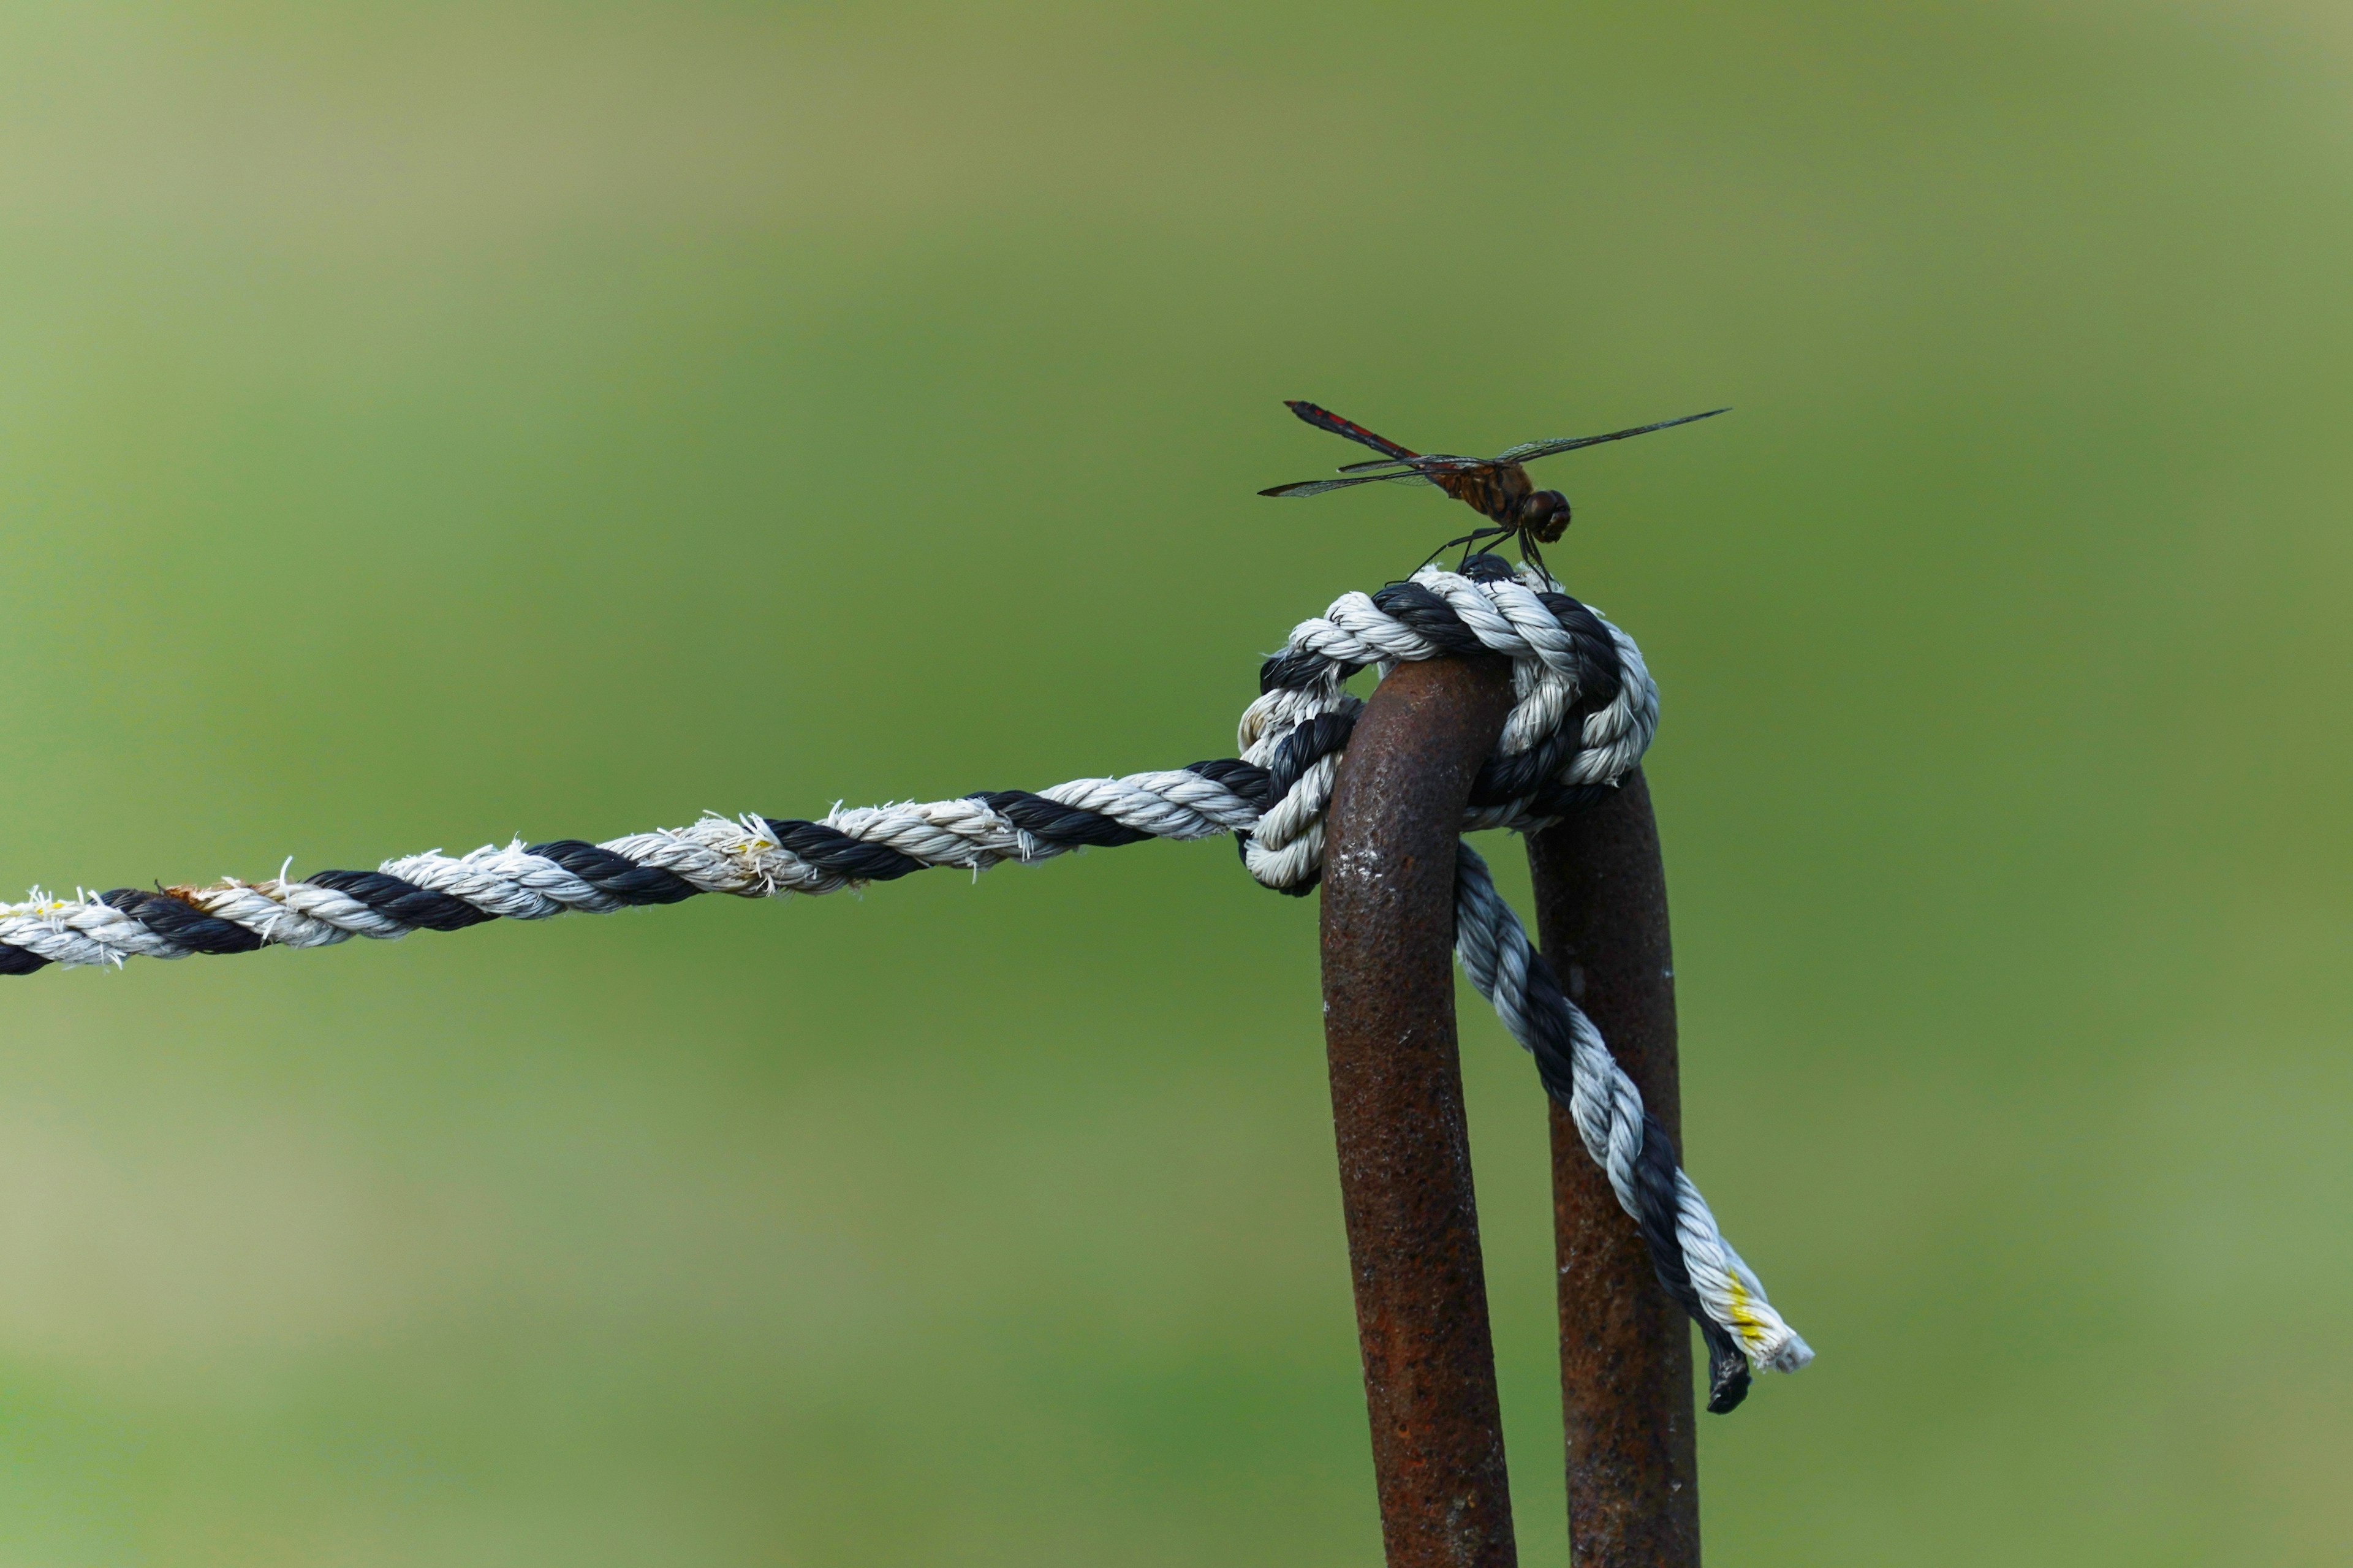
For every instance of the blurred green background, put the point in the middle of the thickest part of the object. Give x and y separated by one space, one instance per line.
425 423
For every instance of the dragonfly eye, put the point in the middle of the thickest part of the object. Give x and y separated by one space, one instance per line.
1546 515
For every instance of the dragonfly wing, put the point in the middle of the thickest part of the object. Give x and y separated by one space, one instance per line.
1317 487
1422 460
1325 419
1527 452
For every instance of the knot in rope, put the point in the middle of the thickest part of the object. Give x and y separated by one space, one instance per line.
1583 706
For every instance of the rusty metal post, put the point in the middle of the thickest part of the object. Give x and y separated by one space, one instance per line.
1625 1346
1396 1111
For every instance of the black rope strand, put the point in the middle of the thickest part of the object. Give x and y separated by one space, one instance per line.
1054 822
1658 1195
617 875
397 899
175 919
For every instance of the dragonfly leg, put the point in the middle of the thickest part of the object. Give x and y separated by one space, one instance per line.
1532 556
1466 541
1472 542
1442 550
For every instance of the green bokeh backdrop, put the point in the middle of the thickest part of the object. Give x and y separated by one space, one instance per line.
425 423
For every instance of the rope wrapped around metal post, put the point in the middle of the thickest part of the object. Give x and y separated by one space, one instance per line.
1584 710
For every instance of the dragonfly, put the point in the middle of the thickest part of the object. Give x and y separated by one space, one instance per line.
1497 487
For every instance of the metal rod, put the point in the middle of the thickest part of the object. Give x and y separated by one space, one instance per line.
1625 1346
1396 1111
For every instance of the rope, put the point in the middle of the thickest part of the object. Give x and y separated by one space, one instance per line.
1584 710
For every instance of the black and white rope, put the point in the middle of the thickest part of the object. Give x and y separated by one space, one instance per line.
1584 711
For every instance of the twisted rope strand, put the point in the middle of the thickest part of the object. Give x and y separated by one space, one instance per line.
1584 710
1688 1252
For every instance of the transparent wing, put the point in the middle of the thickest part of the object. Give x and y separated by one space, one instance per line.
1420 461
1317 487
1527 452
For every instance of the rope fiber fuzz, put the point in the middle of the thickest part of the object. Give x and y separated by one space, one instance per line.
1585 709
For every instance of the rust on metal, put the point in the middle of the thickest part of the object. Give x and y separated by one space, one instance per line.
1625 1346
1396 1111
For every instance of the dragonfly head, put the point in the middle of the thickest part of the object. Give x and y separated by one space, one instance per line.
1545 515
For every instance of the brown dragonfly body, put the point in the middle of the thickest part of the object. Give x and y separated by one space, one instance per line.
1498 488
1503 492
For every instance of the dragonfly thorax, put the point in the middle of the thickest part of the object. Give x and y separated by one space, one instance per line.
1498 491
